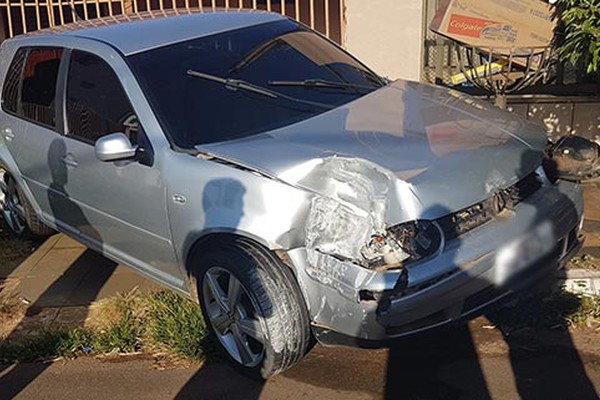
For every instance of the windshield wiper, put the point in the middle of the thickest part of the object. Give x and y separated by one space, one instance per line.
322 83
235 84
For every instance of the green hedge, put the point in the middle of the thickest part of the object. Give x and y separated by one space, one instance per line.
578 34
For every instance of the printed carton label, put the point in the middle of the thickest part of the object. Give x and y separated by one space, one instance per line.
468 26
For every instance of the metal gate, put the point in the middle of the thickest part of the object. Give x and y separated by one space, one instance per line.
439 62
22 16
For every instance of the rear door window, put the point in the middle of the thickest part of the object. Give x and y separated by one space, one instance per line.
39 86
30 86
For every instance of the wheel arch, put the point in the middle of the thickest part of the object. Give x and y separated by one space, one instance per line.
212 239
11 168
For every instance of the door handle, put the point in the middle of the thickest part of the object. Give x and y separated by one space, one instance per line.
8 134
69 161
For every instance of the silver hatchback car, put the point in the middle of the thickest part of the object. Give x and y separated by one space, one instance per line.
248 162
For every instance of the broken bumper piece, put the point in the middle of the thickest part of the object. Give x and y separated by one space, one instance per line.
352 305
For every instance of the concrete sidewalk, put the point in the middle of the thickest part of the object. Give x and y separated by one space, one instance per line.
62 272
60 280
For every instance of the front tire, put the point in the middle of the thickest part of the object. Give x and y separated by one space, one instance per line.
253 306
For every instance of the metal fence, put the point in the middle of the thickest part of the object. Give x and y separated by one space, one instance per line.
440 63
22 16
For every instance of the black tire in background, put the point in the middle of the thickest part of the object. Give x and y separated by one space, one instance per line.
271 289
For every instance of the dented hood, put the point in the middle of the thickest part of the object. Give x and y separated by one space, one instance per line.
451 149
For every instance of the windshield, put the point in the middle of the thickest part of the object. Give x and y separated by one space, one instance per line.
239 83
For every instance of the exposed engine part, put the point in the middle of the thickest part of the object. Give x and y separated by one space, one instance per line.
383 253
418 239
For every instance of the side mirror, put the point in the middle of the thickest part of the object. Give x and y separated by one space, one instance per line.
114 147
574 158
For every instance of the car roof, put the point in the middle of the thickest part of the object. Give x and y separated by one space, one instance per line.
139 32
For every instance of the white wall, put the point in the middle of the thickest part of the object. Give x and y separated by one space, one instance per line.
387 35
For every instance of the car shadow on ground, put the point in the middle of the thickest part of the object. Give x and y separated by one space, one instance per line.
540 371
220 381
447 365
415 363
547 364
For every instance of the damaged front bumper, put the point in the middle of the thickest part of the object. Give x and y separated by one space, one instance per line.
349 304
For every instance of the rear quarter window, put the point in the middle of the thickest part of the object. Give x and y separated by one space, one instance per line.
12 82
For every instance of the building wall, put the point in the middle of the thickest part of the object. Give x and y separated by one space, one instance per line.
561 115
387 35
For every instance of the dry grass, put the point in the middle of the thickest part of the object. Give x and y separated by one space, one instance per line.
12 311
159 323
585 261
108 312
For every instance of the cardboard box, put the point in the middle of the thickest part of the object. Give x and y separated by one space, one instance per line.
495 24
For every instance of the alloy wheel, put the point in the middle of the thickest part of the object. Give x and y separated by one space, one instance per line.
11 205
234 316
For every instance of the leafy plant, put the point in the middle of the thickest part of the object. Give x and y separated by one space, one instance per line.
578 33
175 325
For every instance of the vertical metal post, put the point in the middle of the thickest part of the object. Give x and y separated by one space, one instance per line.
74 17
85 10
501 101
50 11
23 19
327 27
3 30
38 19
342 23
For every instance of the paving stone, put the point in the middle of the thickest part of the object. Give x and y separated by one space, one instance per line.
65 242
57 262
583 286
26 266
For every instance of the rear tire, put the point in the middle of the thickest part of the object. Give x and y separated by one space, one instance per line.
18 214
266 318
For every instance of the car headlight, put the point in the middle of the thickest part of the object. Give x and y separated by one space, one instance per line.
403 244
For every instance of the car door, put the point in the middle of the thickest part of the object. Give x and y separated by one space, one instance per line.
119 206
30 123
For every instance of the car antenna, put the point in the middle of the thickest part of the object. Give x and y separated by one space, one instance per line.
74 10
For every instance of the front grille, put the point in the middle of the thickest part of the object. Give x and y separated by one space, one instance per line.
469 218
